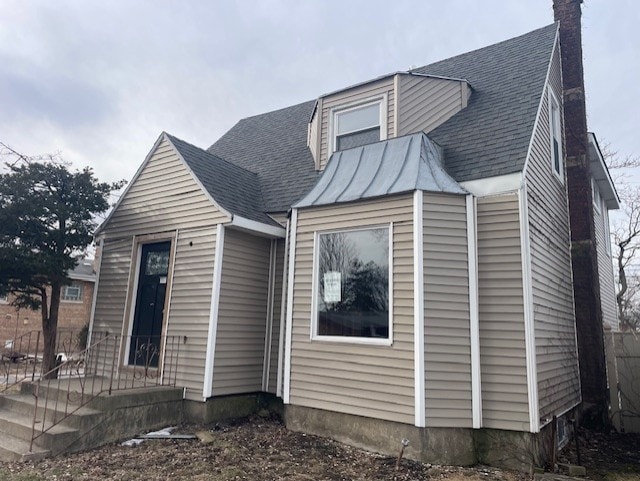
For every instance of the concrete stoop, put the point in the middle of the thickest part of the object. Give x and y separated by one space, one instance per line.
104 419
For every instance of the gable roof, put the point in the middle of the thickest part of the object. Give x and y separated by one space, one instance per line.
394 166
235 189
489 137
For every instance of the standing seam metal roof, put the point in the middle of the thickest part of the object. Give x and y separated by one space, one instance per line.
394 166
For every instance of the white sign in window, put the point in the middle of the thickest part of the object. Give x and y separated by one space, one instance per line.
332 286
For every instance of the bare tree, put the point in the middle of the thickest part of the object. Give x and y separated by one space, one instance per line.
626 238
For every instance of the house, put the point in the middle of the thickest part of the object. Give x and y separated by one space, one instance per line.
75 308
391 260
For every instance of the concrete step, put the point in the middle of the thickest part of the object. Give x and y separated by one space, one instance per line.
75 416
12 449
18 426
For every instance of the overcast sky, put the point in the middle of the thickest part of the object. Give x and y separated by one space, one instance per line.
100 80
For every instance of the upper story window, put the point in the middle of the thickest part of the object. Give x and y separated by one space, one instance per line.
359 124
72 293
597 199
555 127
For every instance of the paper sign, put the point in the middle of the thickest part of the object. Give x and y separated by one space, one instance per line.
332 286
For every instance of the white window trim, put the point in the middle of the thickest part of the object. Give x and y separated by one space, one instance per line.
74 301
597 203
553 100
383 106
607 227
375 341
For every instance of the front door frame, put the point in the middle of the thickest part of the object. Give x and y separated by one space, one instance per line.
132 292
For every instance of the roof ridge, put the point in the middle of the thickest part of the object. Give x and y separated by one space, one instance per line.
480 49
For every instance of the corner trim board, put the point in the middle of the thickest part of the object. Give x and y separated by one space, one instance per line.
289 323
283 312
529 327
266 365
474 313
207 390
418 312
94 301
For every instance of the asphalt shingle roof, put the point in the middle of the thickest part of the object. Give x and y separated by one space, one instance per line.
490 137
236 189
274 146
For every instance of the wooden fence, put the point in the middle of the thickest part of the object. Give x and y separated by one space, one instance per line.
623 366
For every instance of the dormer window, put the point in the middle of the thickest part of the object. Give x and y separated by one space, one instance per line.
360 124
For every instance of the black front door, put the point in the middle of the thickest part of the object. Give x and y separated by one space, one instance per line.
144 347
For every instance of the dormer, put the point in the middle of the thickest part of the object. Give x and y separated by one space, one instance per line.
391 106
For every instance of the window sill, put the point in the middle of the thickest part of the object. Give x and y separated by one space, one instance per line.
371 341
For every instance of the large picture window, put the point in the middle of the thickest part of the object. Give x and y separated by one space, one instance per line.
352 279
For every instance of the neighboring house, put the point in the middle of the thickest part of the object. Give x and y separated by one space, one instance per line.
391 259
75 307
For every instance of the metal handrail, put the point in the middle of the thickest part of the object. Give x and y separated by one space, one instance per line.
96 370
21 361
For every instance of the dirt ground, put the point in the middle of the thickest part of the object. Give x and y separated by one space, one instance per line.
607 457
262 449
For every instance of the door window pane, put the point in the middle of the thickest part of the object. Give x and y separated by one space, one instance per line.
157 263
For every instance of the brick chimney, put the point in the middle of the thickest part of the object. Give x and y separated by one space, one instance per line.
586 285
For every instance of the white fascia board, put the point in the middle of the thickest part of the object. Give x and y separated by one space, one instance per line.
133 180
601 175
418 313
529 327
474 313
499 184
257 227
286 390
95 293
541 103
207 390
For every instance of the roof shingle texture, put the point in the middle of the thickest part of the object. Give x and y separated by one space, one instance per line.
274 146
237 190
490 137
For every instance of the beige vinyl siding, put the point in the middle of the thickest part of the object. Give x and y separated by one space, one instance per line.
163 197
550 238
112 287
426 102
356 94
364 380
280 218
277 313
447 356
242 314
505 403
605 270
190 306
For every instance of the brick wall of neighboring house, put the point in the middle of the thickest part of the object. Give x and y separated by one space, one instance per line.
73 315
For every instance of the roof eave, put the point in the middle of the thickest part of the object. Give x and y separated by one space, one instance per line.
601 175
